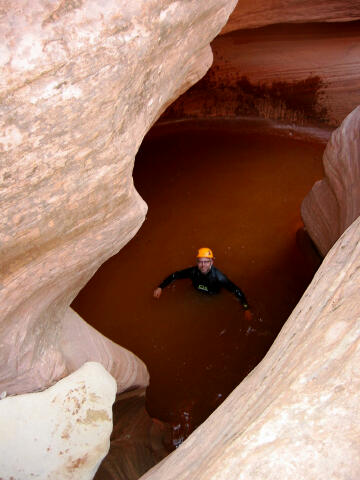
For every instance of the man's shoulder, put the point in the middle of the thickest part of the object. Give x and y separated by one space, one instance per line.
218 273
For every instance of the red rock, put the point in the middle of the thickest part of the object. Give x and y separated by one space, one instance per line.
334 202
258 13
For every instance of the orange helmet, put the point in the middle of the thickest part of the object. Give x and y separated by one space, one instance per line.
205 253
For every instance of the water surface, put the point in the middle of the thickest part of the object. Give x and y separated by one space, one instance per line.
239 194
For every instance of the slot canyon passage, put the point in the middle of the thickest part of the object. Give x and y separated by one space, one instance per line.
227 185
244 119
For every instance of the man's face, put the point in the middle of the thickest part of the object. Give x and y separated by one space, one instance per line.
204 265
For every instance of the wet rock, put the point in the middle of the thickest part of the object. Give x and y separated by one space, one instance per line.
81 84
60 433
334 202
296 414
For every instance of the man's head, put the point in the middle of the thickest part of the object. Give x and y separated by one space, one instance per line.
205 260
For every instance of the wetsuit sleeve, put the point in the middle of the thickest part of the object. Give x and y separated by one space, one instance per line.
231 287
186 273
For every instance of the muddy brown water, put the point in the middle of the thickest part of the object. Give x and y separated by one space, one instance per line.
238 193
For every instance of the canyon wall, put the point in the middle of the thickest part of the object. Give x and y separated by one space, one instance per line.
137 442
82 83
258 13
301 67
334 202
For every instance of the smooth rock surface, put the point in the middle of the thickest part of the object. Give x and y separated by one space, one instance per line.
80 342
81 83
334 202
61 433
257 13
296 415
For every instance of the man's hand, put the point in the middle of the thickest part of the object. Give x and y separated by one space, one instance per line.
157 292
248 315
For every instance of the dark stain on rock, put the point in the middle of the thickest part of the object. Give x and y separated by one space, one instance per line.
302 97
75 464
297 101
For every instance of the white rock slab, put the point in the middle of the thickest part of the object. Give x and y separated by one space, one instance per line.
60 433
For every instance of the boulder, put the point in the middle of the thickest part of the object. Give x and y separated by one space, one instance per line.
61 433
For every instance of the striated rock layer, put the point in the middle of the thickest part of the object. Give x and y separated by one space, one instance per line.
61 433
258 13
81 84
297 74
137 442
296 415
334 202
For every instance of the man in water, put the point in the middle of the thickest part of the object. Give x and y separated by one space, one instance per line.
206 278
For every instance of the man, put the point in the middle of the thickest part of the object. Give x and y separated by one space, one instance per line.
205 278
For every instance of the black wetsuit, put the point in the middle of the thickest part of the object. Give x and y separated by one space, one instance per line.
210 283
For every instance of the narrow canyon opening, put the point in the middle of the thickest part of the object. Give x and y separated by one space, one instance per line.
235 187
241 107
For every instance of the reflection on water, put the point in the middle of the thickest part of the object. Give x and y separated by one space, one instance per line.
240 195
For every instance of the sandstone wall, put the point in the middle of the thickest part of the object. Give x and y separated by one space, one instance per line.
81 84
137 441
334 202
293 70
258 13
